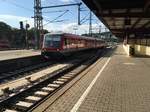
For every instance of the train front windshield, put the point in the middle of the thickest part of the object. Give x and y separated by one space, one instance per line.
52 41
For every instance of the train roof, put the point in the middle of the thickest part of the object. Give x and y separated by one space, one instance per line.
72 35
55 33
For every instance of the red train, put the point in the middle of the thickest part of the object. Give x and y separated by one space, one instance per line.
4 44
64 44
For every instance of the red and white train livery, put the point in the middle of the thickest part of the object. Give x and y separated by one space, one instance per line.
64 43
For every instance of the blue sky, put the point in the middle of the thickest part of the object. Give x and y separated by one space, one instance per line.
13 11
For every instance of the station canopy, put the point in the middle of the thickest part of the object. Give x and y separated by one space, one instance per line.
123 17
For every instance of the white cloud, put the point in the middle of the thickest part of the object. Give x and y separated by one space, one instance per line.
73 28
14 20
65 27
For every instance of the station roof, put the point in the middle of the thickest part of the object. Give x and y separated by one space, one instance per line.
123 16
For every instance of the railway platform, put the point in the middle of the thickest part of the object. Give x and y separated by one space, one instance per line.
115 83
13 54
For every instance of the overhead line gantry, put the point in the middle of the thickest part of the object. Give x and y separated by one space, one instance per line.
38 19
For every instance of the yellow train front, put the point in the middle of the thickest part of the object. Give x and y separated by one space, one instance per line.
63 44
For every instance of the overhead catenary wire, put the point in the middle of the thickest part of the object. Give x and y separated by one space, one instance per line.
56 18
58 21
55 11
18 5
84 19
51 21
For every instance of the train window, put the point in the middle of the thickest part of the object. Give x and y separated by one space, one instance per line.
47 38
52 41
56 39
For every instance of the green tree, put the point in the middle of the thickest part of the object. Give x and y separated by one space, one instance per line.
5 31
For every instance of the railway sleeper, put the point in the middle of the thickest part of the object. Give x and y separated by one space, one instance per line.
44 89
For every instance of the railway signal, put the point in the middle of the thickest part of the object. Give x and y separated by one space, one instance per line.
21 25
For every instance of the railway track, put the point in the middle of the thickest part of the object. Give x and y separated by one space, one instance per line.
29 97
13 82
13 75
27 70
13 87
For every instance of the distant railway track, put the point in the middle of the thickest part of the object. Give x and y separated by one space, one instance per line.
26 70
5 77
28 98
6 49
11 65
24 67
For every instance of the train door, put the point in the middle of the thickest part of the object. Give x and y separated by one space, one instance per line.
64 43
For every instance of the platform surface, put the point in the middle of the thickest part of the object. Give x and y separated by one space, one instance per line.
13 54
123 85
